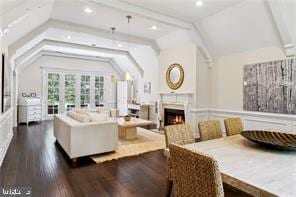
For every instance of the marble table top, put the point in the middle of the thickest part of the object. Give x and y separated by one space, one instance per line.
252 168
134 122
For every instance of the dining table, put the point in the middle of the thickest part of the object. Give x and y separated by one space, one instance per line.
250 167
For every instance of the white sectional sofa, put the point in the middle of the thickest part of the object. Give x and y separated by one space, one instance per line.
85 138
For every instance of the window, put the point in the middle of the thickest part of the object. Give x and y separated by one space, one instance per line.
69 91
65 90
84 91
99 91
53 97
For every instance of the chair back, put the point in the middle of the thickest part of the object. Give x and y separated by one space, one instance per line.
209 129
233 126
195 173
178 134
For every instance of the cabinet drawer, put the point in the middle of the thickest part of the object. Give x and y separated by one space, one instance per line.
32 108
34 112
34 117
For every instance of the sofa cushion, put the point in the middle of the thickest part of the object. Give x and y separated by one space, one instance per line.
78 116
102 110
98 117
79 111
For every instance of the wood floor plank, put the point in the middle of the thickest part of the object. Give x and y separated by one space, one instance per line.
35 160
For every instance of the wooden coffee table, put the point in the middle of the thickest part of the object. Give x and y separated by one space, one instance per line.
128 129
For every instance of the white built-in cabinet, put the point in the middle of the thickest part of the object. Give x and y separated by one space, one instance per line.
64 90
29 109
122 97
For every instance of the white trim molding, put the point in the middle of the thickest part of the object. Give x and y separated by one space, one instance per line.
277 9
251 120
6 133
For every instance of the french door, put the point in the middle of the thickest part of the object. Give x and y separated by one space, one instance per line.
53 93
85 91
64 91
70 95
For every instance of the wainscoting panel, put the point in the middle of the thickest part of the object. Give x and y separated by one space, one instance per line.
251 120
6 133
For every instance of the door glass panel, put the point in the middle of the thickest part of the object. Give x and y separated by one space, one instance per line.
85 91
53 93
69 91
99 91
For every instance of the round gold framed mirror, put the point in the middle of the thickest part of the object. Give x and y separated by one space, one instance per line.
175 76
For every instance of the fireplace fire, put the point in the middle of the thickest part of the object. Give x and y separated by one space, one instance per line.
173 117
177 120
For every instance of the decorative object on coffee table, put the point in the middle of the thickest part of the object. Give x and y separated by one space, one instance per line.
274 139
127 117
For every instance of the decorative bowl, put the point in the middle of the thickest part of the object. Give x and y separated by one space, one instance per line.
127 118
274 139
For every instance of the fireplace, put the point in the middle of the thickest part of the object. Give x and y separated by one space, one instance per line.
173 116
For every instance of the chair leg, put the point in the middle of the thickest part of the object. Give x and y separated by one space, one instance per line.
169 186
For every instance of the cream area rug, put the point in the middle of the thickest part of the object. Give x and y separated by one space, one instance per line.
146 141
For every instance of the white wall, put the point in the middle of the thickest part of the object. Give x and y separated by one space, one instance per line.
6 118
147 59
227 89
203 81
185 55
197 72
30 79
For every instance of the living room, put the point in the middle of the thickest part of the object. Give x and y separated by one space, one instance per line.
95 90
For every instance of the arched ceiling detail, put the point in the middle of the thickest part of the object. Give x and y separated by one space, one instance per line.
125 61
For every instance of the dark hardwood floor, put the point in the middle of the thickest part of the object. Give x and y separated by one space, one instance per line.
35 160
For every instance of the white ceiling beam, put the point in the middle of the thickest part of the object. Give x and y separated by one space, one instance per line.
276 8
22 65
47 42
111 61
62 44
68 26
198 39
161 18
143 12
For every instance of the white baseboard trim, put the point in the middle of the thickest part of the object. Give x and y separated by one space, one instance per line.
4 147
251 120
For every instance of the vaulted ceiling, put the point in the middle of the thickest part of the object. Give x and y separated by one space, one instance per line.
218 27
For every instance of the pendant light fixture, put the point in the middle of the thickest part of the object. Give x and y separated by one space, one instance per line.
128 30
113 77
127 74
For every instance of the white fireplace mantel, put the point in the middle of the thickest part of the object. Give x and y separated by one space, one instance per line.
176 97
177 100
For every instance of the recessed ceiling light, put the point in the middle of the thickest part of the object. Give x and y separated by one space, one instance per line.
154 27
199 3
119 45
69 37
88 10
